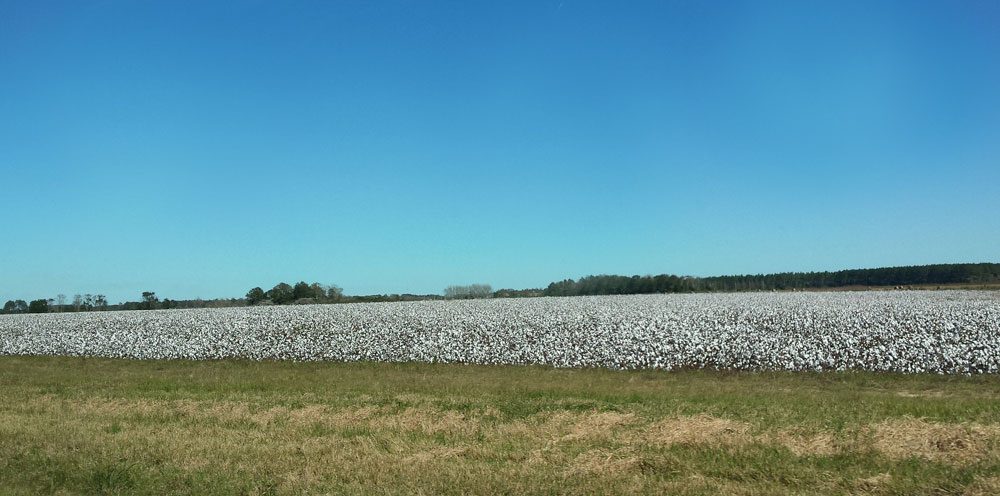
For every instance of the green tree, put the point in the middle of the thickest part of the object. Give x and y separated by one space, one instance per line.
38 306
301 290
318 291
334 293
281 294
15 306
255 296
149 300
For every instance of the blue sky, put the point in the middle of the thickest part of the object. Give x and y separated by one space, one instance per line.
198 149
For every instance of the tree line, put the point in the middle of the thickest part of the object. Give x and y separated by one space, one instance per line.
304 293
79 303
301 293
469 292
99 303
915 275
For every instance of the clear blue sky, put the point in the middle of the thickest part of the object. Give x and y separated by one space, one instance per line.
198 149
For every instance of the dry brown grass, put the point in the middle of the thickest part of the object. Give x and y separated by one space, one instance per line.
898 438
983 486
557 441
807 444
597 425
874 484
437 454
604 462
947 443
921 394
699 429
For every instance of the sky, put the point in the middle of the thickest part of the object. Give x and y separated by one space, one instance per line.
199 149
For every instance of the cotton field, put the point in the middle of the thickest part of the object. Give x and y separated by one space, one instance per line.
903 331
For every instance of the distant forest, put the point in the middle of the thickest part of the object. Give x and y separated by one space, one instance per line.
304 293
917 275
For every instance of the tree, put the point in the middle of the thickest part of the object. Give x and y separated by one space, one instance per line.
101 302
77 302
334 293
470 291
255 296
301 290
61 300
149 300
318 291
281 294
15 306
38 306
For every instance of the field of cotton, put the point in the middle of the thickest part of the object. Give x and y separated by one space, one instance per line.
955 332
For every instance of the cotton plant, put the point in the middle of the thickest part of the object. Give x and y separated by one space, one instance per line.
900 331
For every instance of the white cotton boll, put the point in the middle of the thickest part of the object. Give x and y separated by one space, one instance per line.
952 332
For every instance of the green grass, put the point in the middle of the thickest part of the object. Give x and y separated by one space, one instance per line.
77 425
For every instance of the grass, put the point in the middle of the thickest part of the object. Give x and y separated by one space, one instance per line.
79 425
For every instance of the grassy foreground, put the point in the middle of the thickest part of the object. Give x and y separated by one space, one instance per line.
74 425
